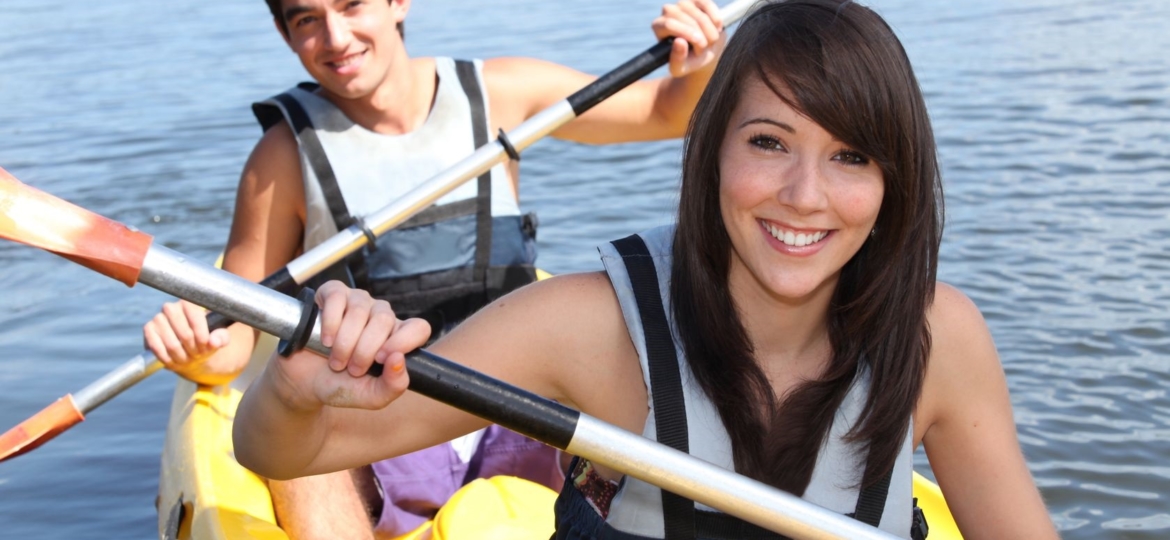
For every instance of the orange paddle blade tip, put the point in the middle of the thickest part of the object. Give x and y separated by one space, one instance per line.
40 428
35 218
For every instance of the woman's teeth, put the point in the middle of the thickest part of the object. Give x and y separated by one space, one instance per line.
794 238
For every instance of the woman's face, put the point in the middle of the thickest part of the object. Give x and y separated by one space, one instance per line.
796 202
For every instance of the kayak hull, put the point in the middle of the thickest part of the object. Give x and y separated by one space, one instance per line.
203 492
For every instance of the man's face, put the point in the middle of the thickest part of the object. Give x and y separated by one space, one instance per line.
346 45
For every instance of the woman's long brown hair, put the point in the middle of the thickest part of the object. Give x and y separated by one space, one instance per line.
841 66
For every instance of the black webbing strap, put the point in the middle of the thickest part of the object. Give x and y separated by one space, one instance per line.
871 502
352 269
311 147
479 129
720 526
670 413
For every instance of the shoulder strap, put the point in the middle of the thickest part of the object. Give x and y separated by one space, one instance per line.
311 146
483 222
670 414
350 270
871 502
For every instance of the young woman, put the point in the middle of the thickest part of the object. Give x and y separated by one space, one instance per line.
796 297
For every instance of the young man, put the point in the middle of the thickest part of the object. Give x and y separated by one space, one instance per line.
376 124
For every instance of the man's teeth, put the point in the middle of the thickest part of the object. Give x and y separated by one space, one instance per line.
346 61
795 239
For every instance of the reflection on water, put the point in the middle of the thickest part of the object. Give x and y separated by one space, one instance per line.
1051 118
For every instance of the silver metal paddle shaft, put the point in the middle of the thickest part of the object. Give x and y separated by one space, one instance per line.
116 381
241 300
714 486
340 245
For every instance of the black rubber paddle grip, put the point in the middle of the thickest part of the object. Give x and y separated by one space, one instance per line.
491 399
621 77
216 320
300 336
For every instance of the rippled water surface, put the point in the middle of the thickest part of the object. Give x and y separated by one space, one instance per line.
1052 117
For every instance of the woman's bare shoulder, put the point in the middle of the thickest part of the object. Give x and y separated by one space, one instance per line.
963 363
956 324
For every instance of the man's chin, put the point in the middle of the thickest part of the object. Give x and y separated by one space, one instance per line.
351 90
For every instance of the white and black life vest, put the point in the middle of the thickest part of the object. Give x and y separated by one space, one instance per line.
447 261
683 417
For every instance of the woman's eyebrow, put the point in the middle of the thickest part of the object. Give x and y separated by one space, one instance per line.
776 123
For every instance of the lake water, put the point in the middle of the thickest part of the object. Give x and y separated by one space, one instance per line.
1052 117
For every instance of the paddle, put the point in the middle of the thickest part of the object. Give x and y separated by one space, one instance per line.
71 409
34 218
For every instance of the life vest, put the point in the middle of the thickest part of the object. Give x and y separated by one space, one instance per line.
447 261
444 263
682 417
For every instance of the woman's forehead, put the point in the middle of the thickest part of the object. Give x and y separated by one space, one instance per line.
759 100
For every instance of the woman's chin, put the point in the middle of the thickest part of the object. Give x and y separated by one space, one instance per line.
796 290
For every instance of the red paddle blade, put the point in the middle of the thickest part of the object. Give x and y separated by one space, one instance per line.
40 428
35 218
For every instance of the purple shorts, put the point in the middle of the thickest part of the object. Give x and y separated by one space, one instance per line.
416 485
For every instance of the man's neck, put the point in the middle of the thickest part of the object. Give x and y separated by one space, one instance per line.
400 104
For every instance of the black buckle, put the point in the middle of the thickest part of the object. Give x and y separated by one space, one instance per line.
371 238
528 224
918 526
507 144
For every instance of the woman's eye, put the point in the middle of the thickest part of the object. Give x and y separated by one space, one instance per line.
302 21
850 157
353 4
766 142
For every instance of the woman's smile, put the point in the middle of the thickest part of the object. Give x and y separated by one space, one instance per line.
794 241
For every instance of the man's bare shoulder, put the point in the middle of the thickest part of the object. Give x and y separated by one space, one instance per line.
271 177
277 144
275 158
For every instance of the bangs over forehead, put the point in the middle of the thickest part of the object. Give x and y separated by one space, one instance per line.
823 60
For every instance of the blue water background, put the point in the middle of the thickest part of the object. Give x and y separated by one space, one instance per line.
1053 122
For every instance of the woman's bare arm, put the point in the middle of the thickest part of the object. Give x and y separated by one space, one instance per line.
562 338
965 421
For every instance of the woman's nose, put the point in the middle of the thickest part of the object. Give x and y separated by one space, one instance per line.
804 187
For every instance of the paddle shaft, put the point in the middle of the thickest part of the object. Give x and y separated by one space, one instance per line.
517 409
353 238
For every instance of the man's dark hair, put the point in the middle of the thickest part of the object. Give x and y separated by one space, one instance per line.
275 8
